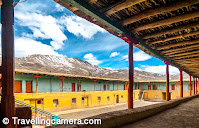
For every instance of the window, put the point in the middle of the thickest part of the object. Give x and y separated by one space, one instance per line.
124 87
55 102
154 87
18 87
38 101
156 96
28 86
121 96
104 87
73 100
173 87
99 99
83 98
108 98
149 87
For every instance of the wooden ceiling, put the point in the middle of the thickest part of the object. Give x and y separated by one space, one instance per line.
166 29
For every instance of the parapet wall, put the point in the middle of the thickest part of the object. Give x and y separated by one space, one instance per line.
119 118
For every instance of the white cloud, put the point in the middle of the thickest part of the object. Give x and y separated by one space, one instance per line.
136 68
42 26
80 27
160 69
27 46
138 56
59 8
114 54
92 59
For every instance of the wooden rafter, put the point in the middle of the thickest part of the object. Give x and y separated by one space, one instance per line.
182 54
186 56
168 21
176 37
159 10
180 49
178 44
120 6
171 30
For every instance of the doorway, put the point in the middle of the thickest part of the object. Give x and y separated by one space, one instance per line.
164 95
28 86
117 98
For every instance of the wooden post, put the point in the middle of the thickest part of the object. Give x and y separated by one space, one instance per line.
79 86
167 82
125 85
131 76
95 85
7 43
159 85
107 85
62 78
176 86
137 85
181 84
37 83
190 86
118 85
194 89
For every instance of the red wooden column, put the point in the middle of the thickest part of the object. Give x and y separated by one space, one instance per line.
194 89
7 43
196 86
159 85
79 87
190 86
125 85
95 85
137 85
62 78
37 83
131 76
167 82
181 84
107 85
118 84
176 86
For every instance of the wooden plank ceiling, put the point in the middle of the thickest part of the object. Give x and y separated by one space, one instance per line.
169 27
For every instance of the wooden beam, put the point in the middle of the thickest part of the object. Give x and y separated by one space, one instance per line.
180 49
178 44
168 21
170 31
120 5
175 37
159 10
185 53
181 57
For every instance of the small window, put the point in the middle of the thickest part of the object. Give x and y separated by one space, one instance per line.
55 102
156 96
73 100
121 96
99 99
108 98
83 98
38 101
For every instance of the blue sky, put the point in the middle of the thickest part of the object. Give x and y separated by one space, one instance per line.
45 27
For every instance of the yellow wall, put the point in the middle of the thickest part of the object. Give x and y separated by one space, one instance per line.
65 99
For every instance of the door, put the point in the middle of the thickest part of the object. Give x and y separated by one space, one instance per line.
117 99
173 87
73 87
85 101
28 86
124 87
145 95
104 87
18 87
149 87
154 87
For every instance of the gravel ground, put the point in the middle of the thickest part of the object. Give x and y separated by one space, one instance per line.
87 112
186 115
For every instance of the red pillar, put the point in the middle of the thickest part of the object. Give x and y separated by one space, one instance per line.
194 89
176 86
167 82
125 85
190 86
107 85
181 84
62 78
159 85
95 85
37 83
79 86
7 43
131 76
137 85
118 84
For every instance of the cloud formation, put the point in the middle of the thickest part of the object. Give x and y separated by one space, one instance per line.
138 56
114 54
91 59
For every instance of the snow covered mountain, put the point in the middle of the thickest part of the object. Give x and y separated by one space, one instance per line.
50 63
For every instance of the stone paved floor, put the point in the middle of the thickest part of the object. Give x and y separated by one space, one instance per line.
186 115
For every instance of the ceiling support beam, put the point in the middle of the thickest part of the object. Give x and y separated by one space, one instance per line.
168 21
186 56
159 10
185 53
175 37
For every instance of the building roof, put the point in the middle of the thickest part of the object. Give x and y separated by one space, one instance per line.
166 29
